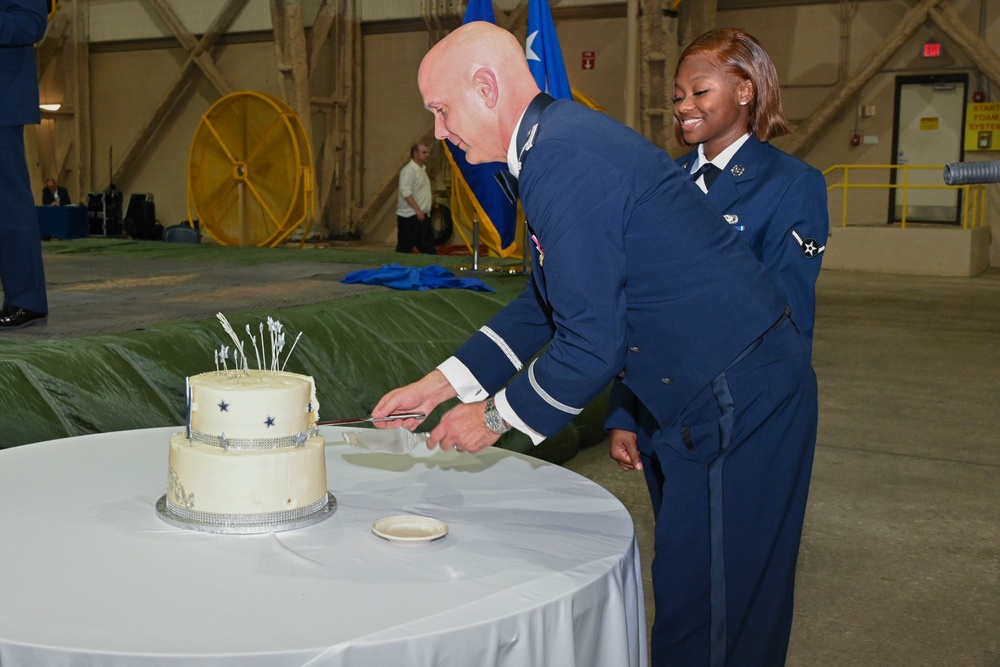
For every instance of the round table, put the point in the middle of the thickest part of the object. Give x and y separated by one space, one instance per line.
539 567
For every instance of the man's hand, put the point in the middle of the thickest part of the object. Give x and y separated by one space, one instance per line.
464 428
421 396
624 450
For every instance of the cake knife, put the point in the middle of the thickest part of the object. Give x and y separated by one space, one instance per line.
370 420
385 440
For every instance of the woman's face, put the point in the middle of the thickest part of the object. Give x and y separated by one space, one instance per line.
712 106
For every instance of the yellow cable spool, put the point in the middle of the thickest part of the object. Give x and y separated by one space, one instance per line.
250 175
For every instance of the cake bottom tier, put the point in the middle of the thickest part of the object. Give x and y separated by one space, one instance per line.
205 480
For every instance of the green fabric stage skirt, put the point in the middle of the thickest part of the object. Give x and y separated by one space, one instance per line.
356 347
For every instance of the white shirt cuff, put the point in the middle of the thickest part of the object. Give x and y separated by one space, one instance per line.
462 380
469 390
509 416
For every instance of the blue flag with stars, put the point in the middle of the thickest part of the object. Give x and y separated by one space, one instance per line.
479 10
544 55
499 213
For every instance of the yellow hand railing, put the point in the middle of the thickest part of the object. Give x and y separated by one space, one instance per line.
973 201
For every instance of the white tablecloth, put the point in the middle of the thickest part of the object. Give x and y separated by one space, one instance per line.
540 567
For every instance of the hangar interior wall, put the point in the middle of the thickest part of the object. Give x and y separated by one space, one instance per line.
815 47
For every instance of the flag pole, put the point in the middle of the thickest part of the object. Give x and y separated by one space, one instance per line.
475 243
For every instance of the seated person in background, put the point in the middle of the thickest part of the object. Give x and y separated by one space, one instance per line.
55 194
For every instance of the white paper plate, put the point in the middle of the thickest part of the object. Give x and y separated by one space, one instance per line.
409 529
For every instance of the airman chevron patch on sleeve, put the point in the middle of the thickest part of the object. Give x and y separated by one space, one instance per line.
809 247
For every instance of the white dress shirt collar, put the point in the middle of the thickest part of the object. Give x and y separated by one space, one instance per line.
722 159
513 163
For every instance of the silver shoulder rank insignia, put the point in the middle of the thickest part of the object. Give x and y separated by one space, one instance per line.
731 218
810 247
737 170
529 141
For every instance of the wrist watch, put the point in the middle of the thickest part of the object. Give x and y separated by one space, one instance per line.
494 421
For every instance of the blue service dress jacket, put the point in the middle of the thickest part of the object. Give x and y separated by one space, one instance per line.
777 205
22 275
635 278
22 24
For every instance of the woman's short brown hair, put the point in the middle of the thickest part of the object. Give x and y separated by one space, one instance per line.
735 51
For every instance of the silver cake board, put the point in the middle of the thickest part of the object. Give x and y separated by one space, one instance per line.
245 524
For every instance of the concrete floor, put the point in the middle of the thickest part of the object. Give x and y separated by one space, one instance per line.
900 558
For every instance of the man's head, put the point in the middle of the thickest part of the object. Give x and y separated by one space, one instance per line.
420 153
476 82
50 184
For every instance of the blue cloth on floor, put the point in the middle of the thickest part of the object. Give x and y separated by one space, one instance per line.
402 277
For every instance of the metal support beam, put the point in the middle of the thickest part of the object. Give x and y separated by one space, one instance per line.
975 48
293 58
198 54
835 102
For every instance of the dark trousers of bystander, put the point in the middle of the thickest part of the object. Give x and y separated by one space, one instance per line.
412 232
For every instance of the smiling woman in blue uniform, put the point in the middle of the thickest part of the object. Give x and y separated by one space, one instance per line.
727 103
635 279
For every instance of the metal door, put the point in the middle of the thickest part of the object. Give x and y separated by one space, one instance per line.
930 118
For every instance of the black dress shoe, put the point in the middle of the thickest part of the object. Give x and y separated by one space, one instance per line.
13 317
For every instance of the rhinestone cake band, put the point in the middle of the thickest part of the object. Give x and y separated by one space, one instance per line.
266 522
253 444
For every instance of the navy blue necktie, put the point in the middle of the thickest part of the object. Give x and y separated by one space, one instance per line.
710 171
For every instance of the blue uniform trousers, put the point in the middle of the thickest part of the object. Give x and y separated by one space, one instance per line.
21 272
729 486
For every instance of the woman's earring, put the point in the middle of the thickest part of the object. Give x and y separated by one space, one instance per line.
743 103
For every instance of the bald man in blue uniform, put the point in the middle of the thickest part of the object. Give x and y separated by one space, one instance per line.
636 280
22 24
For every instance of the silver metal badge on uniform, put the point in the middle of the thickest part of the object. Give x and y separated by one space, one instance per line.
810 247
529 141
737 170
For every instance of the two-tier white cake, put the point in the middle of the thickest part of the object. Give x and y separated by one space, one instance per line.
251 458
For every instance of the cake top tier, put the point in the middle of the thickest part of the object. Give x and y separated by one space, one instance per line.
266 406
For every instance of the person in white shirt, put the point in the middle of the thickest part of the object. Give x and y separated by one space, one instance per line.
413 204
